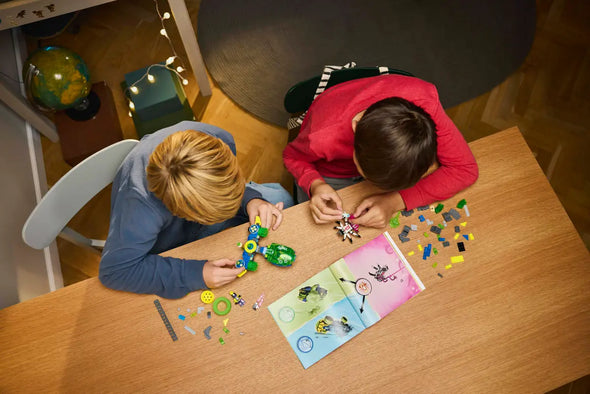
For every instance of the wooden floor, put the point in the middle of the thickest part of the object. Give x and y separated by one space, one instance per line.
548 97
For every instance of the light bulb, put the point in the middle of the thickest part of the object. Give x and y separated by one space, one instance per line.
185 81
170 60
151 78
131 105
179 69
163 32
166 15
134 89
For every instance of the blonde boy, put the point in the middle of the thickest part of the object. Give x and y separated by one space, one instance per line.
178 185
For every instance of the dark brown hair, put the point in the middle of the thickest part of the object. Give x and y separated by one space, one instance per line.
395 143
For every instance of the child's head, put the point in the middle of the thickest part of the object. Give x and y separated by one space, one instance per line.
196 176
394 143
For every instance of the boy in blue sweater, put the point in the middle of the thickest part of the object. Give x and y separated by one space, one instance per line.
178 185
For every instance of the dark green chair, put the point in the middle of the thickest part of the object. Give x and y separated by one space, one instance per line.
300 96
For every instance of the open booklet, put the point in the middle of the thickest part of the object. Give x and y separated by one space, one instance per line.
350 295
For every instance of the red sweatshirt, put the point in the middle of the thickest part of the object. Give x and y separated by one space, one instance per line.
325 142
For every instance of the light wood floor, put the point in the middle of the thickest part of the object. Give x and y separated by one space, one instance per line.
548 97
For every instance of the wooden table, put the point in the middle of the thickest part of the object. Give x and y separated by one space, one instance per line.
514 317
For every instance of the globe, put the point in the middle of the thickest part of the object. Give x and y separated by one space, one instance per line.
56 78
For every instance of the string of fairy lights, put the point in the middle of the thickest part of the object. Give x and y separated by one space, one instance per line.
173 63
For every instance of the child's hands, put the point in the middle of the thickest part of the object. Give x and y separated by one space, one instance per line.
376 210
266 211
220 272
322 196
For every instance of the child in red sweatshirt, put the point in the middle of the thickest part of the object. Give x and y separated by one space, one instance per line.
390 130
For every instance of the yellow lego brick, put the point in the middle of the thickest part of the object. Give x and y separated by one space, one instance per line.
457 235
463 224
457 259
448 266
420 247
471 237
411 253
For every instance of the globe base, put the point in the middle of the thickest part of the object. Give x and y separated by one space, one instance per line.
85 110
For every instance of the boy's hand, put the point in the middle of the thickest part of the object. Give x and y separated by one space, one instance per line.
266 211
220 272
322 196
376 210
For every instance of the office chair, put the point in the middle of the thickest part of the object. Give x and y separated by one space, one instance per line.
50 217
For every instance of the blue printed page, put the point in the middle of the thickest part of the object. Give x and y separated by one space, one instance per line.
316 317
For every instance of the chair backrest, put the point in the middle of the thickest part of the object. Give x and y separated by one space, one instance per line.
300 96
72 192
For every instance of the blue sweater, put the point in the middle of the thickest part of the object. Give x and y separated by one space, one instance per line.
141 227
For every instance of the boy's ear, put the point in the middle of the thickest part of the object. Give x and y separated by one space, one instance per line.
354 123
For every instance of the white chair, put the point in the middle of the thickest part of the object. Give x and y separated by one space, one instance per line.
50 217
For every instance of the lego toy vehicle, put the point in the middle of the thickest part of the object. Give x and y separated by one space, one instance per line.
276 254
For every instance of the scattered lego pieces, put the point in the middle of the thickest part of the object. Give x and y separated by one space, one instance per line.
457 259
420 247
181 317
457 229
461 203
423 208
434 265
394 221
221 341
463 224
435 230
466 211
200 309
207 297
429 222
466 236
435 251
237 298
208 314
190 330
446 244
471 237
454 213
448 266
438 208
461 246
427 251
221 300
457 235
407 213
411 253
422 218
447 217
426 235
225 322
207 331
226 330
439 274
258 302
414 227
193 314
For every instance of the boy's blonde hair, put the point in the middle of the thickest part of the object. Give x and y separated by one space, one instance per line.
196 176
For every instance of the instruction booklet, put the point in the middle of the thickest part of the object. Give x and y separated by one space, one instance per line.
349 296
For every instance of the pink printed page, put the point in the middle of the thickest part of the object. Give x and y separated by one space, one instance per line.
381 276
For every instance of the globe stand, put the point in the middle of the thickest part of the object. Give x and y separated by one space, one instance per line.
81 138
86 110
